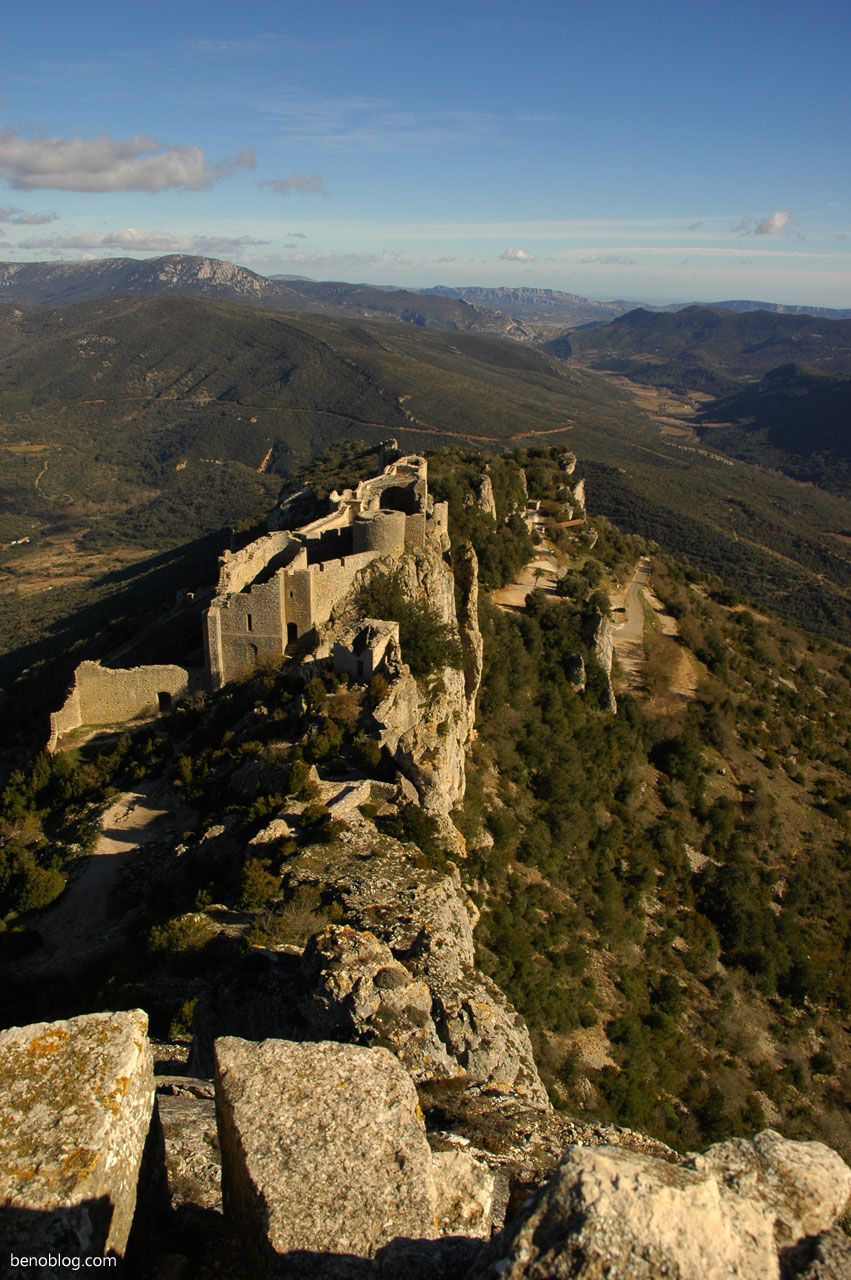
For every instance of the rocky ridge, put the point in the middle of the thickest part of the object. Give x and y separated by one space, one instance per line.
374 1056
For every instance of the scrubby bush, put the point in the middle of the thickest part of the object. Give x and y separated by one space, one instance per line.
257 884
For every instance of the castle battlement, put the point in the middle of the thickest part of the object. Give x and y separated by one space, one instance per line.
272 593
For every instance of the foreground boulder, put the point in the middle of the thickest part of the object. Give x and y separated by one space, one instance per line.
323 1152
738 1213
75 1109
802 1187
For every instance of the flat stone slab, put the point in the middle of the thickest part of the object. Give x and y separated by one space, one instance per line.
76 1099
323 1150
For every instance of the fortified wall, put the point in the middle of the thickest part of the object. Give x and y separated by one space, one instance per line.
270 594
286 584
107 695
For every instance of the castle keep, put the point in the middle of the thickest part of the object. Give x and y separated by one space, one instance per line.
286 584
272 593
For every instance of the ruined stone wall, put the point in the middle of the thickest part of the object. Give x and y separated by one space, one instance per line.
105 695
361 653
330 582
250 628
239 568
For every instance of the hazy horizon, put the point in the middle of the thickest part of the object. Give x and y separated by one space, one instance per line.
654 155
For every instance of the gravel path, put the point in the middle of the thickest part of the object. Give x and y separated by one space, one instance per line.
83 923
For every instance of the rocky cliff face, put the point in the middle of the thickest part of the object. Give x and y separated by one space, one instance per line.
427 725
597 634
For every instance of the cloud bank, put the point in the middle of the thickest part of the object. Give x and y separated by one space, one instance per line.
134 240
140 163
516 255
17 217
313 186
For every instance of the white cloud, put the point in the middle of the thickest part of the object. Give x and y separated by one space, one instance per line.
140 163
778 220
313 186
136 241
516 255
770 226
11 213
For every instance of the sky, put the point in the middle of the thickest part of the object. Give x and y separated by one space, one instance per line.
656 151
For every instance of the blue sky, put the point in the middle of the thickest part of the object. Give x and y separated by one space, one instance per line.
656 151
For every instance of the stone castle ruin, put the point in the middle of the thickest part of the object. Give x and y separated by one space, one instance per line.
272 594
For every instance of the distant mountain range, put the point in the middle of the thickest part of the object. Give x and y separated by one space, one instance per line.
571 309
519 313
54 284
537 305
709 349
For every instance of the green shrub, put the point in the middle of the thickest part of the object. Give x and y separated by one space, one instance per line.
257 885
184 934
428 643
40 886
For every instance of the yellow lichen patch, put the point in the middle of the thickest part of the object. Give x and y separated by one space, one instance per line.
112 1100
50 1042
80 1163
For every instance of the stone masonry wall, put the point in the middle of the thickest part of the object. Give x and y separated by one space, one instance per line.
250 626
239 568
104 695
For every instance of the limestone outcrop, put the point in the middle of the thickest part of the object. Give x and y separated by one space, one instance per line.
397 970
359 992
802 1187
737 1211
77 1098
193 1160
426 726
484 495
597 634
325 1153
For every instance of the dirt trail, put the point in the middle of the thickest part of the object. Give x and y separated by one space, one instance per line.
84 923
628 635
528 579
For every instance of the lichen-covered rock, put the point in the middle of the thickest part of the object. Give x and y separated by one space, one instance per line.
608 1212
410 925
419 913
357 991
488 1038
803 1187
822 1257
75 1110
192 1157
464 1194
323 1150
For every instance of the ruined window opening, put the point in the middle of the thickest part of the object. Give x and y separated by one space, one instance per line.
252 649
249 622
292 633
164 701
